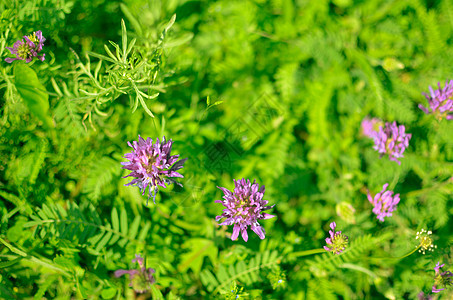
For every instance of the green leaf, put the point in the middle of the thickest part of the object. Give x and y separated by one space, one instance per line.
108 293
33 92
199 248
124 39
131 19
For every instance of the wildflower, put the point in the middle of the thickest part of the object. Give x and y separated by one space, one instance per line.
422 296
384 203
426 242
152 165
440 101
370 127
141 279
337 241
244 207
29 49
392 140
441 279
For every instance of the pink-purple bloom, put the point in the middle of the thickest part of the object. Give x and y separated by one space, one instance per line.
384 203
392 140
440 101
370 127
422 296
244 207
29 49
337 241
142 279
152 165
441 279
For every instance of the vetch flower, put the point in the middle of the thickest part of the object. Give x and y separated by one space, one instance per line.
370 127
426 242
152 165
337 241
142 279
392 140
29 49
422 296
440 101
384 203
441 279
244 207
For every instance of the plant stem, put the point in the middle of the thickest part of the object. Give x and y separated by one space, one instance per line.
400 257
307 252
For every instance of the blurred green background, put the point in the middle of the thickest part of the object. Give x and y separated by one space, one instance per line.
296 79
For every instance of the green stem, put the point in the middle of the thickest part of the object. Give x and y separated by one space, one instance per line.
307 252
43 261
400 257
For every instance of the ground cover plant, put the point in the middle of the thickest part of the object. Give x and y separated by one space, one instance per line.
258 149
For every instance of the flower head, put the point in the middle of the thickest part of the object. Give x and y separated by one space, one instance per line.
384 203
244 207
440 101
337 241
141 279
152 165
441 279
392 140
426 242
370 127
29 49
422 296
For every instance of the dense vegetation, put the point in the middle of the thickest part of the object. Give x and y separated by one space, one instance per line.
270 90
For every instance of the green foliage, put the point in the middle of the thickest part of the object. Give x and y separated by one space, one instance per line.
245 272
267 90
32 92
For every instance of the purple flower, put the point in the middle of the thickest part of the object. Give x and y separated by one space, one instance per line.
244 207
337 241
152 165
29 49
422 296
440 101
384 203
142 279
370 127
392 140
441 279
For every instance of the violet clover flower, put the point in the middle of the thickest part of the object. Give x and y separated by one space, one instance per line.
441 279
384 203
152 165
142 279
392 140
370 127
337 241
422 296
244 207
440 101
29 49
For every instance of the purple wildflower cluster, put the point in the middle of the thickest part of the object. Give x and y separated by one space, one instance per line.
440 101
384 203
441 279
392 140
370 127
422 296
152 165
142 279
29 49
244 207
337 241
